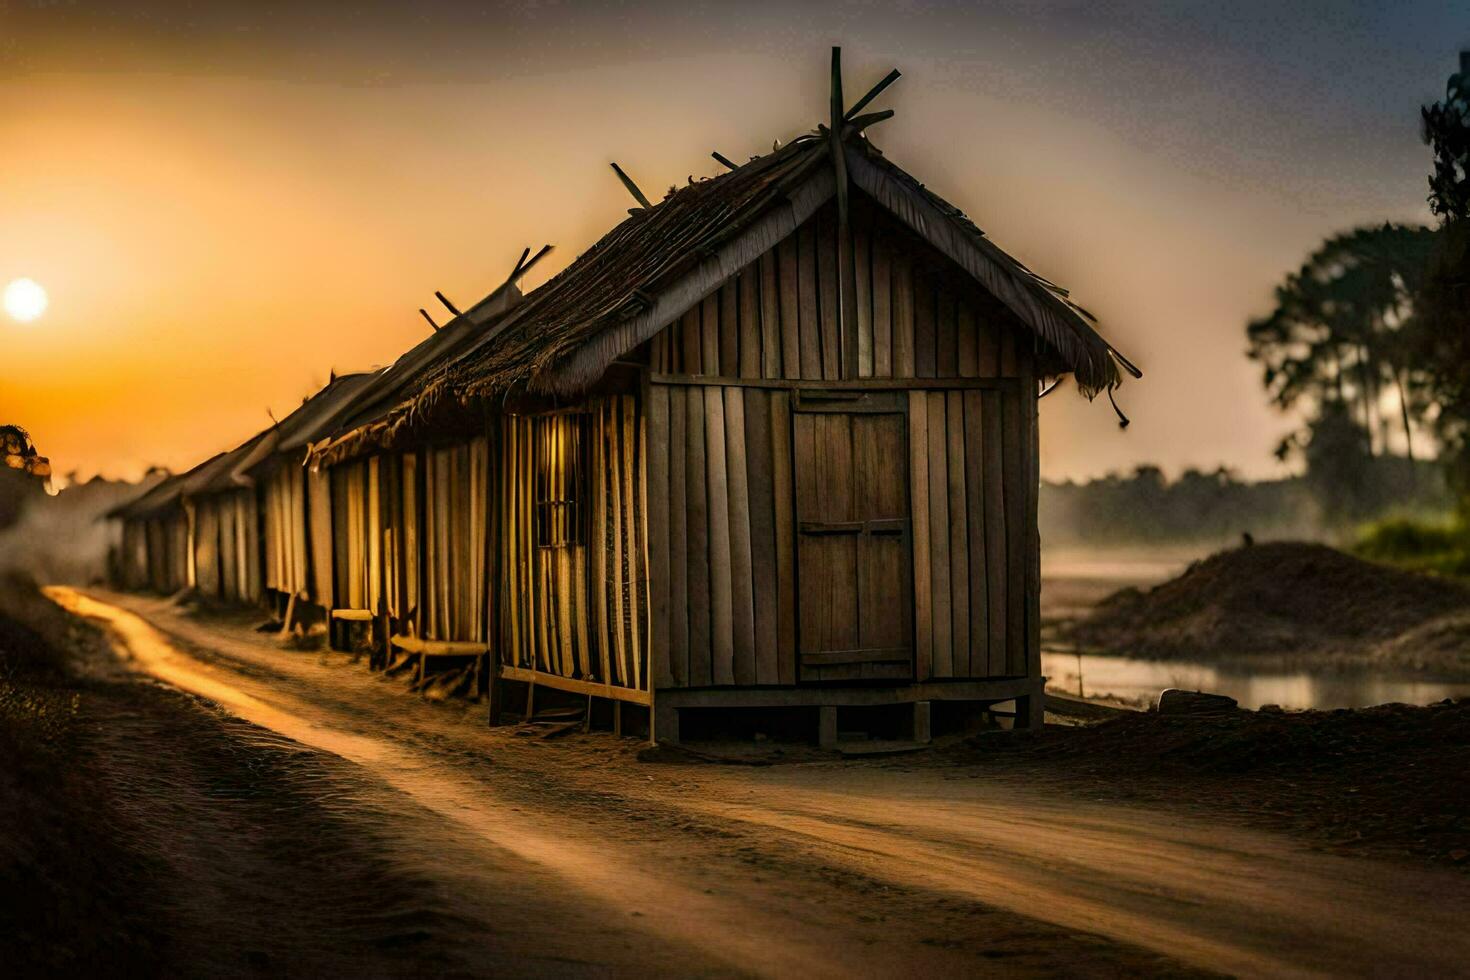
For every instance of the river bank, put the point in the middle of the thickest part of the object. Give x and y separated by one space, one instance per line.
1280 608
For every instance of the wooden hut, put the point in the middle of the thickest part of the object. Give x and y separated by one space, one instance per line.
769 444
155 539
223 525
295 505
392 503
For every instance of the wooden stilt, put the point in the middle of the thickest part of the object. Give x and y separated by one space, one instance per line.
663 724
1031 711
921 722
290 613
379 658
827 726
618 719
530 703
493 692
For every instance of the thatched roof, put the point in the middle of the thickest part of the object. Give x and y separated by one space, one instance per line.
316 417
662 260
232 470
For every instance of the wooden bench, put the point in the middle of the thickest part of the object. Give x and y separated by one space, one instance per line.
424 649
335 616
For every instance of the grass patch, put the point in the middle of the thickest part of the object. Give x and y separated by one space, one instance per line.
1440 547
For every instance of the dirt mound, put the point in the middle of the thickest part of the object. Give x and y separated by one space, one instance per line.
1287 598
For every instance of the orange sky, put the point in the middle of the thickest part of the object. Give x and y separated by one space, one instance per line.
219 223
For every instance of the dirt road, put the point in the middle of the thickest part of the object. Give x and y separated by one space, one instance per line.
571 856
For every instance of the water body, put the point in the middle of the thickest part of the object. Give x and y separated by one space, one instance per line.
1073 582
1134 681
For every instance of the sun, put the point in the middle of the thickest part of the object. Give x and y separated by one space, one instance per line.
25 299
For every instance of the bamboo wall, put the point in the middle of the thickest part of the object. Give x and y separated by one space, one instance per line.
400 500
134 554
205 540
355 535
457 510
286 563
168 552
225 546
574 597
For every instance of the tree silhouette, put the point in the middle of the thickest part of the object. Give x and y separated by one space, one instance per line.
1442 341
1342 331
1447 131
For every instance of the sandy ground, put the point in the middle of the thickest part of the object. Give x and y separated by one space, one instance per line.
507 854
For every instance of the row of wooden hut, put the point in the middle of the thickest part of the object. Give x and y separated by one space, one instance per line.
768 450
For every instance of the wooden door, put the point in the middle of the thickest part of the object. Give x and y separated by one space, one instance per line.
853 558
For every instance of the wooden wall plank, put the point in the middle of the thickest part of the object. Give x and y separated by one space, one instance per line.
995 529
709 333
781 478
760 489
729 330
975 530
903 316
629 570
721 624
811 327
959 539
862 264
1016 437
639 572
919 502
882 310
810 569
789 300
679 554
742 587
967 343
770 314
946 357
925 341
692 336
827 303
939 574
748 287
655 518
988 349
697 528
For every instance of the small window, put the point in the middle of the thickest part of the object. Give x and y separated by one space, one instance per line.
561 446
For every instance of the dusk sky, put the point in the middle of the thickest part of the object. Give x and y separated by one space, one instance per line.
226 205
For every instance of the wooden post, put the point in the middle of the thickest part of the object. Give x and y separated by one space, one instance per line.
921 722
493 691
618 719
663 725
1031 711
827 726
290 612
382 647
530 703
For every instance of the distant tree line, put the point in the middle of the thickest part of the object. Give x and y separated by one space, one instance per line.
1143 507
1370 338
